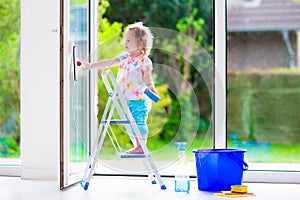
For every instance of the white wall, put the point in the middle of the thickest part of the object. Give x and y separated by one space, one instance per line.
39 89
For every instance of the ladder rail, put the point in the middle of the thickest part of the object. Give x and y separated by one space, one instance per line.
112 86
133 124
125 107
116 102
114 141
98 143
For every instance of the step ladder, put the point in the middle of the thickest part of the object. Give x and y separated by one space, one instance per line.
116 102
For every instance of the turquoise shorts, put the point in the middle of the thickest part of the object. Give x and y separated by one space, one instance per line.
139 110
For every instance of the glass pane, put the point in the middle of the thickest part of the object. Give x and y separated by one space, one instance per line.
10 83
182 71
263 74
79 96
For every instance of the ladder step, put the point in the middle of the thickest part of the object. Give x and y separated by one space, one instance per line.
127 155
116 122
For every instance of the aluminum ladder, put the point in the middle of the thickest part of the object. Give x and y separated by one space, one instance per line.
116 102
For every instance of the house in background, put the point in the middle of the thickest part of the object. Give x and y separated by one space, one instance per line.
262 34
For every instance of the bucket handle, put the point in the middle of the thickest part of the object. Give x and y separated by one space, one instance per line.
240 161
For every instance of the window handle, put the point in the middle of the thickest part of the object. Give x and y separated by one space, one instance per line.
74 65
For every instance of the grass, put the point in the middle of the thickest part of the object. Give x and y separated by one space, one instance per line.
272 153
286 153
161 150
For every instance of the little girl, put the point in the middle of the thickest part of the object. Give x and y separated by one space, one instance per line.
133 75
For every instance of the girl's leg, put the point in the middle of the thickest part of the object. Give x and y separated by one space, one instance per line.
139 110
138 148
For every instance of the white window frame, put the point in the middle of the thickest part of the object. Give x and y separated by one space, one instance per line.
220 75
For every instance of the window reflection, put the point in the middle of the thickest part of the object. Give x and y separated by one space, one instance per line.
263 79
79 108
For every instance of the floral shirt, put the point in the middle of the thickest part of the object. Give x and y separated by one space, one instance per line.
130 76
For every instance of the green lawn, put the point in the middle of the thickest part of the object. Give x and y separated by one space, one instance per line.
161 150
274 153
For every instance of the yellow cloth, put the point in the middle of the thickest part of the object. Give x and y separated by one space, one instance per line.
234 195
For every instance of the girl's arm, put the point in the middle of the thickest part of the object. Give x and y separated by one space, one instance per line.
148 80
102 64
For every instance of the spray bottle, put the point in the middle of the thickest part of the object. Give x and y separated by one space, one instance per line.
182 178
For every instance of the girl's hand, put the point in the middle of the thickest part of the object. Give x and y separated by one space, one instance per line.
153 89
83 65
87 66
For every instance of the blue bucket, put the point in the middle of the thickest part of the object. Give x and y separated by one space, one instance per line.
218 169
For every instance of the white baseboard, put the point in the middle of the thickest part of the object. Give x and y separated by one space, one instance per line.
272 177
39 174
10 170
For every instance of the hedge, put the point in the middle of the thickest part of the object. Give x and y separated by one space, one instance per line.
264 106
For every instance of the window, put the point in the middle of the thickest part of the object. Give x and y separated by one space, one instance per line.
76 102
10 84
262 84
236 134
183 73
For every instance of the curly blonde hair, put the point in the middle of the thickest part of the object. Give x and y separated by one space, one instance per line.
143 36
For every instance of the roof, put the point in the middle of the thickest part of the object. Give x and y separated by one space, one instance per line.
262 15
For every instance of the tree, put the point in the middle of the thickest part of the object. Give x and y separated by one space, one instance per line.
9 69
185 52
156 13
187 49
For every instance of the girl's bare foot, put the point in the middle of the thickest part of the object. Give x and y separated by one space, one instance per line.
136 150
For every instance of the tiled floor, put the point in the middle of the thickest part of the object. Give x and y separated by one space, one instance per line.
124 188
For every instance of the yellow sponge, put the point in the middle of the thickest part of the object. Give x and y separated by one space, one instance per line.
239 188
